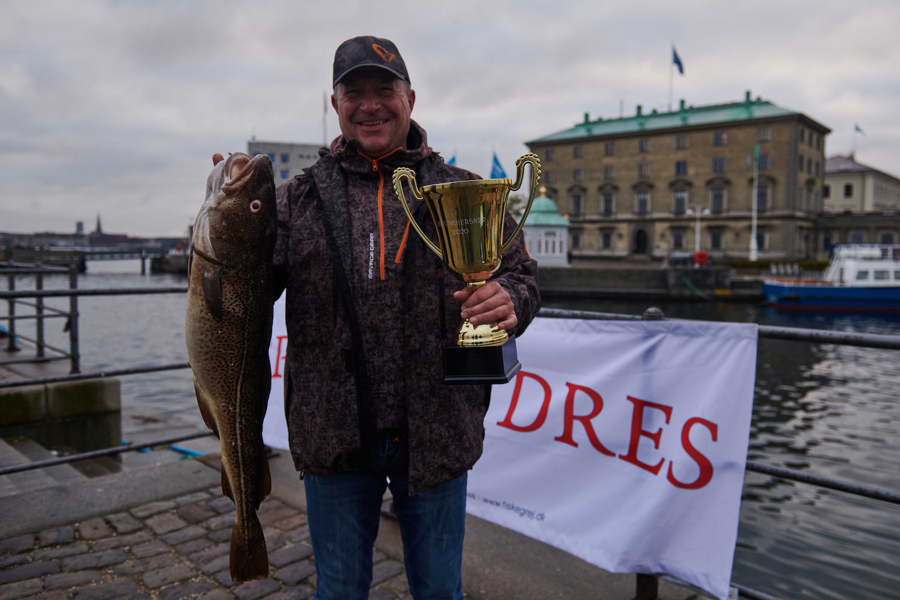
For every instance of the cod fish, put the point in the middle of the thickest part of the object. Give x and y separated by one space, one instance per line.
228 328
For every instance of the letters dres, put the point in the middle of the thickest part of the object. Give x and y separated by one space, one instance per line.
637 430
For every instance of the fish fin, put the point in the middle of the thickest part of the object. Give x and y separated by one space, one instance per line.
226 486
204 410
248 558
212 292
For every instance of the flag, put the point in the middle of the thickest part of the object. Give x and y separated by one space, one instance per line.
858 129
452 161
497 171
676 60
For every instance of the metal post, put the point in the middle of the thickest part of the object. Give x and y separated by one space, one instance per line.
646 587
39 310
11 345
75 357
143 262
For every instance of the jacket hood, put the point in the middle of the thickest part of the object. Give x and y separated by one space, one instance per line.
352 158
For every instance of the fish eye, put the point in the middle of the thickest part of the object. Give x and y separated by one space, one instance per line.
255 206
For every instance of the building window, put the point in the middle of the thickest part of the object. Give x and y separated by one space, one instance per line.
577 175
576 239
607 172
679 204
609 149
848 190
550 154
718 164
577 151
764 133
606 239
284 157
576 204
887 237
760 239
715 239
642 203
609 204
284 173
826 191
762 198
643 145
802 135
643 170
720 138
272 156
680 167
857 237
717 200
800 161
682 142
548 177
763 162
809 166
677 239
818 170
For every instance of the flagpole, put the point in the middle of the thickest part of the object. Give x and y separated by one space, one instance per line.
754 249
671 76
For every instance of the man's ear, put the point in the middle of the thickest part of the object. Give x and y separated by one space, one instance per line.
412 98
334 102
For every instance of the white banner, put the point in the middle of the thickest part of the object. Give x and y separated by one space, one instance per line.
624 443
621 442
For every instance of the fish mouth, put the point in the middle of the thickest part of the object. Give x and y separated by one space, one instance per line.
240 168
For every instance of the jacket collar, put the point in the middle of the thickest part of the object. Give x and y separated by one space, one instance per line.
353 159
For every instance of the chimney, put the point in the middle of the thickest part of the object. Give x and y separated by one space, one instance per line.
747 99
639 110
681 105
587 118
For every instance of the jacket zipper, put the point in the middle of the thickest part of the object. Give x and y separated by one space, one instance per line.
374 161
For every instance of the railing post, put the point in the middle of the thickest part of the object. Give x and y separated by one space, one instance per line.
143 262
646 587
74 355
11 344
39 310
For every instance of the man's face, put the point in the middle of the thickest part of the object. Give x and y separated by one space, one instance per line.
373 108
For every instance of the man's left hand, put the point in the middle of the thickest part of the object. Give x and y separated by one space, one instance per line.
489 303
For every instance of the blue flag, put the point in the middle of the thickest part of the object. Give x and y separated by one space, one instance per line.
452 161
497 171
858 129
676 60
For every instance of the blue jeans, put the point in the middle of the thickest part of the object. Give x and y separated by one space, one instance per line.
344 511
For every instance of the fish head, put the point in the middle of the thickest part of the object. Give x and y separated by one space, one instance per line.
237 219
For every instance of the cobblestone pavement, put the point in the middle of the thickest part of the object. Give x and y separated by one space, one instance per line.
165 549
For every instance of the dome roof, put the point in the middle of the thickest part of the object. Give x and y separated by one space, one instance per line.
544 213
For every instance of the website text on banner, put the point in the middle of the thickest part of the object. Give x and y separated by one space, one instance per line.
625 444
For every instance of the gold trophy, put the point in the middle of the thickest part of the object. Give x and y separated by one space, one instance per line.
468 217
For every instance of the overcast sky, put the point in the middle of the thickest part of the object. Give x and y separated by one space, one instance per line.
116 107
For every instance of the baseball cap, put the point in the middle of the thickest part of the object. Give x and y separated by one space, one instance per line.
367 51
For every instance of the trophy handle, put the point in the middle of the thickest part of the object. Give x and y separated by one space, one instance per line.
410 175
535 163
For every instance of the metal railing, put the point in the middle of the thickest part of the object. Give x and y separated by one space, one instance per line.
646 584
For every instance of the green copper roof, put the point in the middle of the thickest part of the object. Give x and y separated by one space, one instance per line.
685 116
544 213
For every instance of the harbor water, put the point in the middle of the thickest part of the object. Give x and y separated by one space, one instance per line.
827 409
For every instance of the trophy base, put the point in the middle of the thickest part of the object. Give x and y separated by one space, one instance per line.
486 364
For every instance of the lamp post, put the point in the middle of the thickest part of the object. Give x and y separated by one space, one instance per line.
754 250
695 209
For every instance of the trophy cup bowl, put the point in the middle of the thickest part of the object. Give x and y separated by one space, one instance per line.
468 217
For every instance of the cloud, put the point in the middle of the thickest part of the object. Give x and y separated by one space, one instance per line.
115 107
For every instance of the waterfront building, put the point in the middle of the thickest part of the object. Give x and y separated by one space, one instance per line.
547 233
637 186
288 158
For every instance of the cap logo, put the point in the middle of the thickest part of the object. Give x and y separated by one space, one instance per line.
384 53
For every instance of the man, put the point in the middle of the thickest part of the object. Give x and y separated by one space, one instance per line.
368 311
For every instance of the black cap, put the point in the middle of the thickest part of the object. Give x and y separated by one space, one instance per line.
367 51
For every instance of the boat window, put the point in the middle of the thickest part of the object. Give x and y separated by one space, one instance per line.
896 275
882 275
862 275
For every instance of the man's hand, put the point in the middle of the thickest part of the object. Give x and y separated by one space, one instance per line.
489 303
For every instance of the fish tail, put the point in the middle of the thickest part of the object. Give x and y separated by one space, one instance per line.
249 558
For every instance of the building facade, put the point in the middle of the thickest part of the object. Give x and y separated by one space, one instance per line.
851 186
634 186
547 233
288 159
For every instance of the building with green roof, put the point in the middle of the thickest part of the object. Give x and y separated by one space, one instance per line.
547 233
632 187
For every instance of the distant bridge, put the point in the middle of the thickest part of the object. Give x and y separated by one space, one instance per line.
67 256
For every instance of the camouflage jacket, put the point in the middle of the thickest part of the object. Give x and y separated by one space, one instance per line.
369 308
